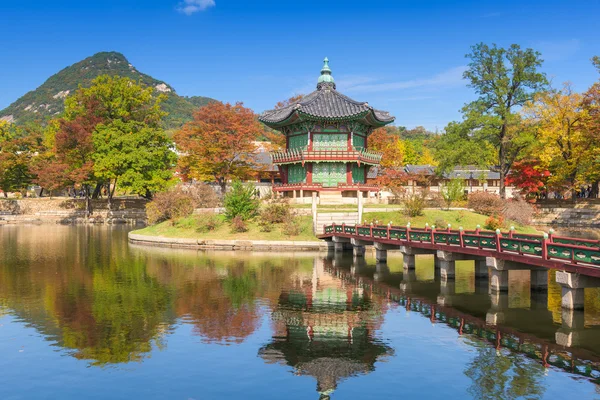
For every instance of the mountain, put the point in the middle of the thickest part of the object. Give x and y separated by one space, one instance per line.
47 101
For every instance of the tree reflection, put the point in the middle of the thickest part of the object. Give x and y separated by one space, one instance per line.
502 374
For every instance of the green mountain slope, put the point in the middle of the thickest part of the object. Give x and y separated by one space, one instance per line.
47 101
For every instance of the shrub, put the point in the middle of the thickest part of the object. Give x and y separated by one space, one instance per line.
169 205
485 203
291 226
440 223
208 222
518 210
494 222
241 202
453 191
265 226
203 195
460 216
276 213
414 204
238 225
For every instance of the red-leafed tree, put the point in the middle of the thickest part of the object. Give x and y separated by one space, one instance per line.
528 176
219 144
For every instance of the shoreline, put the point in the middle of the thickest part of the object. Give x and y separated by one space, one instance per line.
222 244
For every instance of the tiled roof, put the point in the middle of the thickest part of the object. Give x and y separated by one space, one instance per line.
327 103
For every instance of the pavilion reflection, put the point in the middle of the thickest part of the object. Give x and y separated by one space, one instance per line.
324 328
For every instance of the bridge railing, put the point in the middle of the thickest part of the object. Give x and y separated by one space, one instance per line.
547 247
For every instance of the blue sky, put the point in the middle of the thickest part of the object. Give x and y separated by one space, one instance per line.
406 57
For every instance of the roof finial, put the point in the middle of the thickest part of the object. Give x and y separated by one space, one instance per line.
326 80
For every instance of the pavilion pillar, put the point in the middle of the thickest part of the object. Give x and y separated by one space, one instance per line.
348 173
309 173
349 141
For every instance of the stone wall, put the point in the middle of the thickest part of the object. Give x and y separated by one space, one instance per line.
581 214
72 211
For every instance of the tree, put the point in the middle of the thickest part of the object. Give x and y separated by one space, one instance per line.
390 145
529 176
504 79
111 134
562 144
591 104
461 145
453 191
218 144
134 154
274 137
18 148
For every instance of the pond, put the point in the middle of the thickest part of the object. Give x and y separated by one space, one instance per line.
84 314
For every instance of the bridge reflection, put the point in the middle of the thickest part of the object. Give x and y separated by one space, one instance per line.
483 315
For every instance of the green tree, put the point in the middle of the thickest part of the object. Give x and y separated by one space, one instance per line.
241 201
452 191
461 145
504 80
118 121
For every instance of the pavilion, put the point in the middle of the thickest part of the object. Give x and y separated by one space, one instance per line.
326 154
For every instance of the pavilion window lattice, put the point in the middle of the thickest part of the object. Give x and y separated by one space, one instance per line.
330 141
358 174
298 142
296 173
329 174
358 142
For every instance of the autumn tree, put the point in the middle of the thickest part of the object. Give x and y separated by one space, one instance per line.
387 142
529 176
219 144
278 140
591 104
504 80
111 134
18 148
562 143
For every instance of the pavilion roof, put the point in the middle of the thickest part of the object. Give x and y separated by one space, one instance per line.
326 103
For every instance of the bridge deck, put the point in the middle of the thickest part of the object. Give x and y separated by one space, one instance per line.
556 252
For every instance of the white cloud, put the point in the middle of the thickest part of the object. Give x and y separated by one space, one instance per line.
450 78
189 7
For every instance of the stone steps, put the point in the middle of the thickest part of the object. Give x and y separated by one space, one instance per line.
348 218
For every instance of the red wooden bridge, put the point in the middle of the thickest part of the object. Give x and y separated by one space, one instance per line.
581 256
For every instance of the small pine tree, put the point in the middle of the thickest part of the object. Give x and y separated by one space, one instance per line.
241 202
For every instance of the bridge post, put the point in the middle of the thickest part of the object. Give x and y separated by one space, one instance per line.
358 247
340 243
447 290
446 261
573 286
498 281
381 251
499 272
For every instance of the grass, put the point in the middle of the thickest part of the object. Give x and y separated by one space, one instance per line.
188 227
457 218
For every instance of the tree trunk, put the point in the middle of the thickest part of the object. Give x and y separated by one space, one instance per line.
595 189
111 193
88 201
97 191
223 186
41 192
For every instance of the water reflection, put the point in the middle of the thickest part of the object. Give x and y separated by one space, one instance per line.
324 328
102 301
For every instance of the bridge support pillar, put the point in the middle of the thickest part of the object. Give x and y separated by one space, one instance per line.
447 270
340 243
573 286
381 251
359 265
358 247
539 280
408 277
498 281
